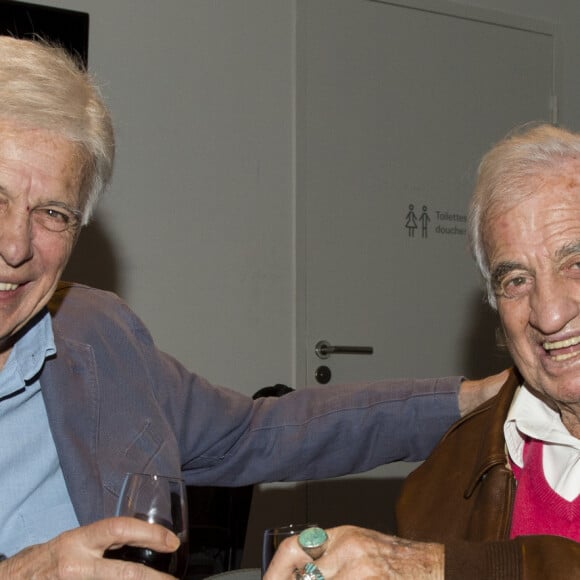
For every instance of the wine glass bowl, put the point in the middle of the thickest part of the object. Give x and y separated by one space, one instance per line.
161 500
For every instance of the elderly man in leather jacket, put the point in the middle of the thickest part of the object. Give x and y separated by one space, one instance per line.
498 496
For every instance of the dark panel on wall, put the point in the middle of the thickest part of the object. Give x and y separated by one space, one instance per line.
68 28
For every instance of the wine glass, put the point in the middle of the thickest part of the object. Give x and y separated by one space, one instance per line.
161 500
273 537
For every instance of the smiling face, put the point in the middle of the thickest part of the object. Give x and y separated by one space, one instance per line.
534 256
37 170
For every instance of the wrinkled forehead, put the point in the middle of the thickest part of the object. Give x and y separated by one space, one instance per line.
27 154
559 181
18 131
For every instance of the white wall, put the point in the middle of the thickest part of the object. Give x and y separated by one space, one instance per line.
197 232
198 224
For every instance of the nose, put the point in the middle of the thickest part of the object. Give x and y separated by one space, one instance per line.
553 305
15 238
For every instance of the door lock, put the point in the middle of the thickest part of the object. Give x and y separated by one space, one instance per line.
323 375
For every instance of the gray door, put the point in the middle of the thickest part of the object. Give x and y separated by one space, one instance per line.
395 105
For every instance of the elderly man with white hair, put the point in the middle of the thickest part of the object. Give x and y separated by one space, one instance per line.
499 495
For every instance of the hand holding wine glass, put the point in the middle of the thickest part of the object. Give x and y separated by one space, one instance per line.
160 500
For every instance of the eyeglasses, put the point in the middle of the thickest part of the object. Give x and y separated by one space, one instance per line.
56 218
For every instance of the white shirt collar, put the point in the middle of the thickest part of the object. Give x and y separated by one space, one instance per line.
529 416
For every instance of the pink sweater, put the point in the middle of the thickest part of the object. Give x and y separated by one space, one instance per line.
538 509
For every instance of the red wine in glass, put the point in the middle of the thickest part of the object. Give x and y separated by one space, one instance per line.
174 563
161 500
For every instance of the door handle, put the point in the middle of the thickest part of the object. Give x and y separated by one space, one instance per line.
324 349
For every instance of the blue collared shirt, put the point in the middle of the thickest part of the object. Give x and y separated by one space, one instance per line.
35 505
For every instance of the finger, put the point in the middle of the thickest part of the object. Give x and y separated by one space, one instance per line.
121 531
288 557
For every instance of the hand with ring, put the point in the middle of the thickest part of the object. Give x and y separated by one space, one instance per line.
313 542
348 552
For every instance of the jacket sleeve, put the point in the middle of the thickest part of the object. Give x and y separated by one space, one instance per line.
224 437
524 558
316 433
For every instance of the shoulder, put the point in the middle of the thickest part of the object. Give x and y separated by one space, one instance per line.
471 446
488 418
477 438
460 491
79 311
71 297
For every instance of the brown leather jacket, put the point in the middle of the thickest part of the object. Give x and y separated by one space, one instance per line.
462 496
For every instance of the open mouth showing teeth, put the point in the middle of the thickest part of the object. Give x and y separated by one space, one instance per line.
5 287
562 349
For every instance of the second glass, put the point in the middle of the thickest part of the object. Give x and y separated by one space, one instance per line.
273 537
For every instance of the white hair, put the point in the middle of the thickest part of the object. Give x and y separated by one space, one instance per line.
43 87
505 177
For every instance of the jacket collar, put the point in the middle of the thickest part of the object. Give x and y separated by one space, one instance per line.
491 450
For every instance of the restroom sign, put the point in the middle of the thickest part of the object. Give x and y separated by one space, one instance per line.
420 222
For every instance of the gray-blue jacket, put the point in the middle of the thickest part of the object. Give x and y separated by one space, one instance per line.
116 404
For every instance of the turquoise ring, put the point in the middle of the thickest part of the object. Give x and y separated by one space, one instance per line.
313 541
